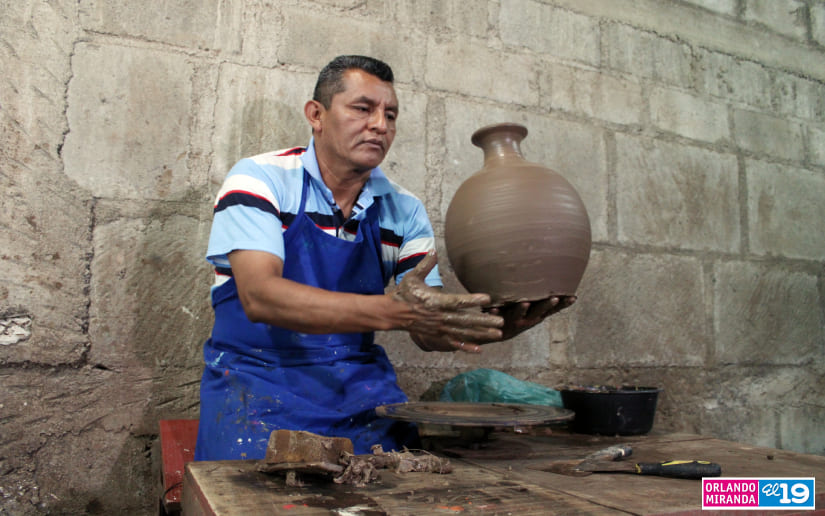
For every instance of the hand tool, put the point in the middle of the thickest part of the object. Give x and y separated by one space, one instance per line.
607 461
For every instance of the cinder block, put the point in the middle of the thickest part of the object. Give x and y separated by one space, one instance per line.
799 97
201 152
406 161
670 195
462 65
259 33
312 39
640 311
203 24
800 426
818 22
258 110
437 15
740 420
576 151
768 135
590 93
129 126
766 314
646 54
688 115
37 66
549 30
150 294
786 212
45 217
767 406
40 240
734 79
816 144
786 17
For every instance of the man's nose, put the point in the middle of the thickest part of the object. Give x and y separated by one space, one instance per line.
378 120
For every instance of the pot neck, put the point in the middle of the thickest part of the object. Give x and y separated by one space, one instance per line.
501 141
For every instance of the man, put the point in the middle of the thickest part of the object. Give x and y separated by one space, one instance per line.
304 241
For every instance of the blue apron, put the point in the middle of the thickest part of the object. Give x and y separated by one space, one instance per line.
259 378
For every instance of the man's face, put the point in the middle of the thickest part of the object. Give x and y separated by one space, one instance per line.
358 128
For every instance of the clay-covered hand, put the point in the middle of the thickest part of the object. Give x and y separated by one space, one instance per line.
443 343
440 321
519 317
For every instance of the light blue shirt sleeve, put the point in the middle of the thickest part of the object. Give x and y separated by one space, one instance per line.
246 215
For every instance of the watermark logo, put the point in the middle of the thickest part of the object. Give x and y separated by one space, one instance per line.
763 493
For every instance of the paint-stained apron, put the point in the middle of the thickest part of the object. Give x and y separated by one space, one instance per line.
259 378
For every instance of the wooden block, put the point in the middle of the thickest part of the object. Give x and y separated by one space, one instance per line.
177 445
295 446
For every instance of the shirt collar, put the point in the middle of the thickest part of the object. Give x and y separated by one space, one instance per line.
377 185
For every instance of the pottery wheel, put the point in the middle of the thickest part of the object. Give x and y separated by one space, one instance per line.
475 414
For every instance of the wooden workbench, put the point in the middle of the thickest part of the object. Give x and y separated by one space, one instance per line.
501 478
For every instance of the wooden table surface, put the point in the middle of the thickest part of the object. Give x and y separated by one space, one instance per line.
504 476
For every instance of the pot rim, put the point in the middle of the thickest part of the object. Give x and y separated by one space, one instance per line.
481 133
609 389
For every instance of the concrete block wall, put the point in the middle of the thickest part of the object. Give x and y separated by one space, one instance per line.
693 129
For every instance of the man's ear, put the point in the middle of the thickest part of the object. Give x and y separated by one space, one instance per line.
314 113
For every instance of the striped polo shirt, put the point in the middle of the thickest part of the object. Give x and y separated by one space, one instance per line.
261 196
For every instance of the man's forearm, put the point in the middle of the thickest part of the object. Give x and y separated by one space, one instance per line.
294 306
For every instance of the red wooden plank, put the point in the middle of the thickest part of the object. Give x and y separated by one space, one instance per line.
177 444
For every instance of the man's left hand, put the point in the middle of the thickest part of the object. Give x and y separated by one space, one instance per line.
443 321
522 316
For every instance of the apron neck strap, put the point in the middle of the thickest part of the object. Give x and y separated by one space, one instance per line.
304 191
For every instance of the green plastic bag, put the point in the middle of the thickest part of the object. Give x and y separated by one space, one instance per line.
491 386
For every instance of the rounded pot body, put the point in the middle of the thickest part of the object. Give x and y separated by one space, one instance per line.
515 229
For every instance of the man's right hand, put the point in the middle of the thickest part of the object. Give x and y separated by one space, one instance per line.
438 321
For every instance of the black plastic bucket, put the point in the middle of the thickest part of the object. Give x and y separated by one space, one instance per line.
606 410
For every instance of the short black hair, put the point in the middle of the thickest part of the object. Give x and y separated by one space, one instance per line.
331 78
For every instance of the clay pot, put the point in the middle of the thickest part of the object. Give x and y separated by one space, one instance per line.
516 230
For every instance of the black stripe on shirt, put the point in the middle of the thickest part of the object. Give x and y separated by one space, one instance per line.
390 238
408 263
245 199
323 221
327 221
